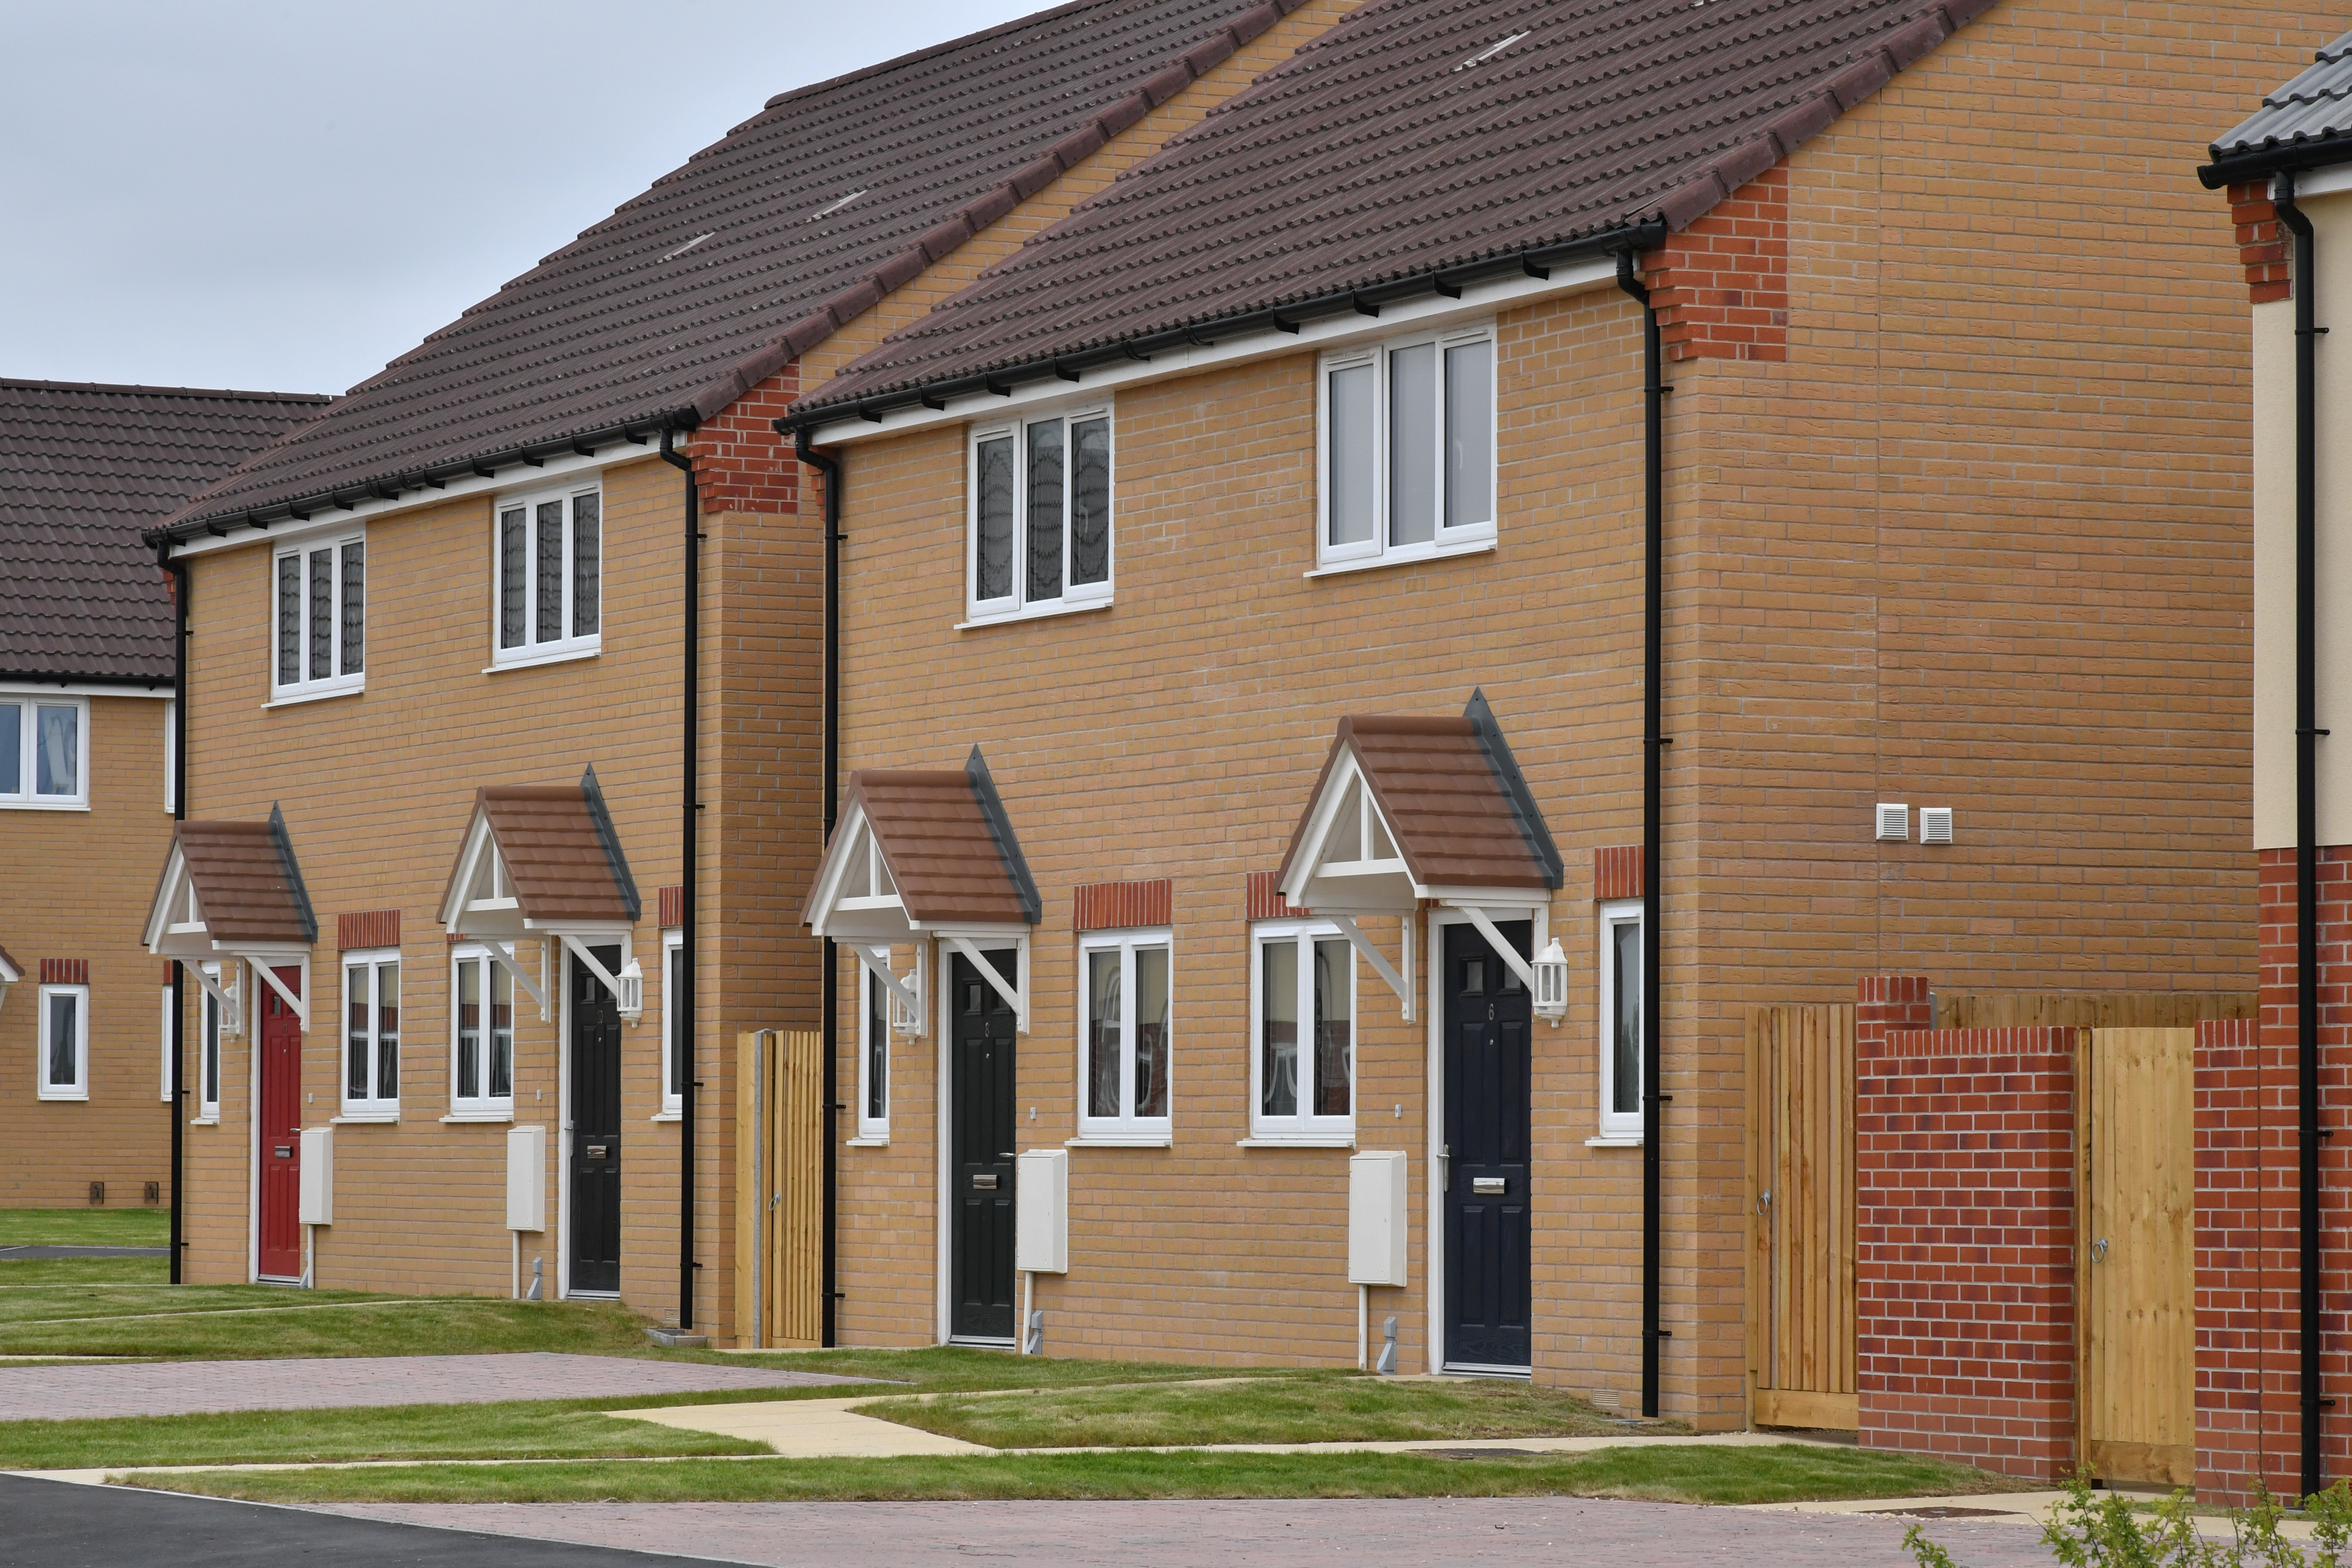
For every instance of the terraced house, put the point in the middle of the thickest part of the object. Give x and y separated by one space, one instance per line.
1373 651
503 689
86 753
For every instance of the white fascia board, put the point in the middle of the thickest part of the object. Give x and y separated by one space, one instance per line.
461 886
160 692
171 895
848 837
335 520
2326 182
1321 811
1341 330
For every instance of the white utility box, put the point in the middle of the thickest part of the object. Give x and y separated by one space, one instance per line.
317 1201
1041 1212
1376 1218
527 1178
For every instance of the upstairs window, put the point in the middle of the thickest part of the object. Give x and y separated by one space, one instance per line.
371 1034
1124 1034
1040 525
319 610
1408 449
44 752
548 575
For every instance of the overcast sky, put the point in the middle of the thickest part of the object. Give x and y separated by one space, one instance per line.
283 196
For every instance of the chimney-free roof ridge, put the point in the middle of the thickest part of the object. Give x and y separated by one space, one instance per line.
124 388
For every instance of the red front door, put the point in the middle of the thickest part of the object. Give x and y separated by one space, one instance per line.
281 1131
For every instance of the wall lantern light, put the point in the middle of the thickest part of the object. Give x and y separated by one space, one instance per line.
1552 984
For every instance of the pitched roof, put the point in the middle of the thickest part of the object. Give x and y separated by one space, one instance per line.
1416 137
2306 122
83 467
949 845
755 250
561 851
249 884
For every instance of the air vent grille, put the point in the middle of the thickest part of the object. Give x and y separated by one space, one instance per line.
1893 821
1935 825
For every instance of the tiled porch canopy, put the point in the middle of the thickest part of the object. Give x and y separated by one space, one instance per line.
232 890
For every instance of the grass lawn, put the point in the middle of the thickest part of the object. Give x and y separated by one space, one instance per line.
19 1273
85 1227
1782 1473
190 1322
1315 1408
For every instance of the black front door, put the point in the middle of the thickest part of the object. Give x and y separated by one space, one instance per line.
980 1156
1487 1015
595 1127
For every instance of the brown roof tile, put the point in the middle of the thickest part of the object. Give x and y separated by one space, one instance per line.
625 328
83 467
561 851
948 842
248 883
1381 155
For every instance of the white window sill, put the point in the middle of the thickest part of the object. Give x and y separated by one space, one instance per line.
1035 613
479 1116
1323 1140
65 1094
666 1116
1479 543
364 1119
1614 1141
297 697
867 1141
533 661
1120 1140
203 1121
44 805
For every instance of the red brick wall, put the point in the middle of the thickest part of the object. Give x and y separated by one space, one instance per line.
1110 905
1264 902
2261 241
1721 286
742 463
1964 1276
1885 1003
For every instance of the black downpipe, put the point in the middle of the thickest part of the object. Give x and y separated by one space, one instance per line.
179 571
826 1000
2306 813
692 807
1653 746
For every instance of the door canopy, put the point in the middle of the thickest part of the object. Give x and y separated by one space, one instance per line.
921 853
542 861
234 890
9 974
1409 808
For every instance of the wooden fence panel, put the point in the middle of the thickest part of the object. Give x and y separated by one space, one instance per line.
779 1208
1801 1296
2087 1009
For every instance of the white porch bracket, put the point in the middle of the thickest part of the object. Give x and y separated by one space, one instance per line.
1504 950
213 989
877 964
1017 998
605 977
535 990
269 978
1378 960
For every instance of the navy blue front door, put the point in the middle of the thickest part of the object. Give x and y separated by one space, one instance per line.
1487 1016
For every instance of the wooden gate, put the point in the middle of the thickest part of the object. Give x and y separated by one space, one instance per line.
779 1188
1800 1321
2136 1340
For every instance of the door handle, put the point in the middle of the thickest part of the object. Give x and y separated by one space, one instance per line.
2099 1250
1764 1201
1490 1185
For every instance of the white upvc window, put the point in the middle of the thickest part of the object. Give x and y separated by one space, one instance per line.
44 752
166 1095
1621 1019
481 1034
873 1056
372 1032
546 575
170 754
1406 429
208 1067
318 617
1303 1031
1125 1032
674 1060
64 1045
1038 537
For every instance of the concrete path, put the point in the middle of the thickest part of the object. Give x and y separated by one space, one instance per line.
54 1526
187 1387
2023 1507
1452 1532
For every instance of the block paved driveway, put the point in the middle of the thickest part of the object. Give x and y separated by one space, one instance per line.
187 1387
1453 1532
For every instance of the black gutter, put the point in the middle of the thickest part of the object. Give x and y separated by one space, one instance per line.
179 571
2238 168
52 678
1536 262
2306 813
1653 746
690 806
827 1000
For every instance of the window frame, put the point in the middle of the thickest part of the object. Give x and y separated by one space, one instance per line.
165 1096
483 1107
45 1087
1018 605
1128 942
376 1105
1615 1125
342 680
532 649
28 796
1305 1126
208 1074
1445 539
873 1030
673 953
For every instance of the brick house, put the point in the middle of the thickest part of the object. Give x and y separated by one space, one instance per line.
1487 559
87 655
502 729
